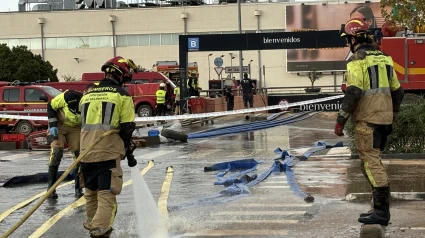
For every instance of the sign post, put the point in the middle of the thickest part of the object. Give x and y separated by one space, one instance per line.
235 69
219 70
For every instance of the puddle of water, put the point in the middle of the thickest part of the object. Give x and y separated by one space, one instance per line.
149 223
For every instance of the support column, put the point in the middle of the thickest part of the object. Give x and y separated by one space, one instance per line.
41 23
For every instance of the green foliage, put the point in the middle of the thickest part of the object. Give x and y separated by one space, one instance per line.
407 13
408 135
21 64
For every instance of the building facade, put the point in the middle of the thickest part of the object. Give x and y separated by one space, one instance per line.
82 40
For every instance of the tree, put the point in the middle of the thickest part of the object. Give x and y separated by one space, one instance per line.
313 75
70 78
407 13
21 64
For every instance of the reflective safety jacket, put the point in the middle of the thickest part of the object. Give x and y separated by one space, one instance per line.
177 93
160 96
106 107
373 94
65 108
192 83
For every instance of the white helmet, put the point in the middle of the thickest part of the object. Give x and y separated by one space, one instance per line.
162 84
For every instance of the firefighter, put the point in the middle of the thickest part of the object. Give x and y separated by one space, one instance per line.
106 107
177 98
193 84
372 99
64 123
161 96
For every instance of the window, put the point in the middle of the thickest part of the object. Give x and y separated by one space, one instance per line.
158 80
121 41
4 42
11 95
84 42
175 39
36 44
166 39
105 41
53 92
155 39
33 95
62 43
143 40
13 42
132 40
26 42
51 43
74 42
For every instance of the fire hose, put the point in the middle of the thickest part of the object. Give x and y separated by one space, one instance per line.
61 178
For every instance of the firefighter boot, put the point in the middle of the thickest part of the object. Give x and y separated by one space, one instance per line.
362 168
381 208
369 212
52 177
78 190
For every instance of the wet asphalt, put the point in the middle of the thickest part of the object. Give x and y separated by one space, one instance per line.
271 209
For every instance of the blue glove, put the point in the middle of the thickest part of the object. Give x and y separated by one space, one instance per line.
54 131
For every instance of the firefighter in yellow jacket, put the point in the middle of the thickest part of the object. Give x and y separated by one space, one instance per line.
64 123
372 99
106 107
161 99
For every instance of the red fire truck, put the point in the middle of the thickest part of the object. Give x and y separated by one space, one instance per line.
25 99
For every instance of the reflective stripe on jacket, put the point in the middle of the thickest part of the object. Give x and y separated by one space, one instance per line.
104 108
160 96
373 92
64 107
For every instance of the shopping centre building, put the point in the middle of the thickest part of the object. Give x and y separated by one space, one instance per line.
82 40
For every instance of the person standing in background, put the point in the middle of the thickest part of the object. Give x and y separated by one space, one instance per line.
247 88
230 98
177 98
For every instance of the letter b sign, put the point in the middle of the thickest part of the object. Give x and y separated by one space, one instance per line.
193 44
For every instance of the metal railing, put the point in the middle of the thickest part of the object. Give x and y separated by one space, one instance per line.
28 113
275 90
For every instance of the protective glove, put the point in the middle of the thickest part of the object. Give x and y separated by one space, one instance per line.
54 131
131 161
338 129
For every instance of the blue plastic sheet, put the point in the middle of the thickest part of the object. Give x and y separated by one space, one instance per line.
251 126
233 165
238 184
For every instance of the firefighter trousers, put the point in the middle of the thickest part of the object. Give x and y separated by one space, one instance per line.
370 140
103 181
72 136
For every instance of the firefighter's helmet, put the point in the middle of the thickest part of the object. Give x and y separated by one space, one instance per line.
355 27
162 85
120 67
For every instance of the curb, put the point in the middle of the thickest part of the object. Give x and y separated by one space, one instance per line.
395 196
397 156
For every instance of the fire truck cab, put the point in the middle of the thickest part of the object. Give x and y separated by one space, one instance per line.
25 99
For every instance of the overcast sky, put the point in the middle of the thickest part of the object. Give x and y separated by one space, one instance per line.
6 5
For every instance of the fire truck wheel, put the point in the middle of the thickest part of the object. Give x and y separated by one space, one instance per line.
24 127
144 111
175 135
